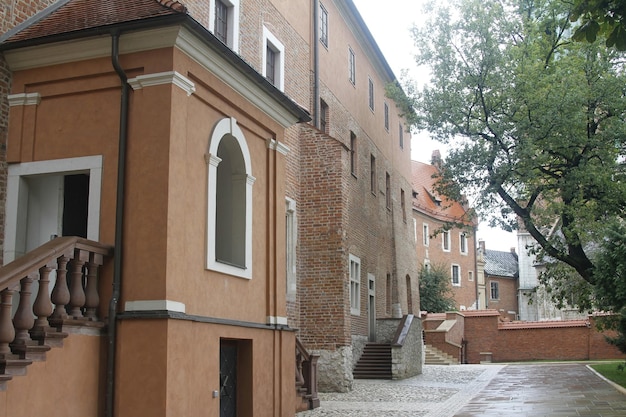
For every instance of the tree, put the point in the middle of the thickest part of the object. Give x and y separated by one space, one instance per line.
536 121
606 18
435 290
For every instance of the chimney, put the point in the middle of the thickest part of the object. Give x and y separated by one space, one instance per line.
435 159
513 250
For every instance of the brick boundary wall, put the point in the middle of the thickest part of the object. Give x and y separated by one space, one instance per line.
487 338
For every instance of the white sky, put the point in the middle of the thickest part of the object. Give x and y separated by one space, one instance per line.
390 25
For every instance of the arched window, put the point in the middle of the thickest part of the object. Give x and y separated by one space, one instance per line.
229 221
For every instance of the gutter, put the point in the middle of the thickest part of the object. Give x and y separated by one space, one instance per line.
119 225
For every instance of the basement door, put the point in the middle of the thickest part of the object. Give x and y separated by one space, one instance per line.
228 378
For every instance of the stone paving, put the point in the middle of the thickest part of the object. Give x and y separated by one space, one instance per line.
520 390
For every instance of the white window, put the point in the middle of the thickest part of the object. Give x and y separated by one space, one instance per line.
224 22
445 240
323 25
273 59
291 239
426 234
351 66
355 285
386 114
456 275
370 84
470 276
463 243
229 216
495 290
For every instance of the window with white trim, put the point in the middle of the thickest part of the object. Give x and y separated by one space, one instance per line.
351 66
224 22
386 115
445 240
470 275
456 275
494 292
323 25
355 285
229 216
463 243
426 234
370 90
273 59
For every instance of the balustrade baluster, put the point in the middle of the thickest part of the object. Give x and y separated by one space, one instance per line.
7 331
92 299
61 293
43 306
77 292
23 319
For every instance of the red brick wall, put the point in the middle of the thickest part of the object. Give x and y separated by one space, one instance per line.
481 334
507 300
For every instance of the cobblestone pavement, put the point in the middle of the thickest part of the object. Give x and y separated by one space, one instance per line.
520 390
439 391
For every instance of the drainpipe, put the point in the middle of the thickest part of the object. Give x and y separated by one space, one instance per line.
316 64
119 224
475 231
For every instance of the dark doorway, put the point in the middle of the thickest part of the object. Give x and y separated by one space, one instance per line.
228 378
75 205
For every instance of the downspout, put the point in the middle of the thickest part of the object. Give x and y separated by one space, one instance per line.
316 64
119 224
476 268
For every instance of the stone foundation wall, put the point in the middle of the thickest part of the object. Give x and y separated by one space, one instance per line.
334 369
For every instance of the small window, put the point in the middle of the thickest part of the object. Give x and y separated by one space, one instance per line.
373 174
401 136
445 240
273 59
353 154
386 110
351 66
495 290
470 276
371 93
426 235
291 238
402 205
323 25
387 190
463 243
224 22
323 116
456 275
355 285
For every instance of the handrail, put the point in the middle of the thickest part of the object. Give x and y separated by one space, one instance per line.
403 330
12 272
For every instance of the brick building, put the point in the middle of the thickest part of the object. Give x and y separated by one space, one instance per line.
439 241
314 240
501 275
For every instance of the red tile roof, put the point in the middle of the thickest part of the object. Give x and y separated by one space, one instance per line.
425 201
76 15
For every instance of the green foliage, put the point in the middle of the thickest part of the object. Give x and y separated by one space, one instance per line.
536 122
613 371
606 18
435 289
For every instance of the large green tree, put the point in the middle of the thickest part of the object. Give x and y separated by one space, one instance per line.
435 290
535 122
606 18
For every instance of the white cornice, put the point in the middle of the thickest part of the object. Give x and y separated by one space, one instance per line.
277 146
169 77
24 99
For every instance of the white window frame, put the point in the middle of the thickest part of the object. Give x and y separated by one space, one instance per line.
470 276
354 268
458 276
426 236
324 25
463 243
370 93
386 115
445 241
271 41
233 22
497 288
351 66
228 126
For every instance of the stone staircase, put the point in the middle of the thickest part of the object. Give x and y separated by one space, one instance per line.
435 356
375 362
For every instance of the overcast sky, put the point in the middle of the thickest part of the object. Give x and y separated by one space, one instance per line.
390 25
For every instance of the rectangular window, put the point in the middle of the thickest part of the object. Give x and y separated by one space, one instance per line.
463 243
426 237
495 291
373 174
470 276
386 107
355 285
353 154
371 93
387 190
224 22
388 294
401 136
456 275
352 66
323 25
323 116
445 240
402 205
273 59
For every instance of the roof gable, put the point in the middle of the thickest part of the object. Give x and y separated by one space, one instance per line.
500 263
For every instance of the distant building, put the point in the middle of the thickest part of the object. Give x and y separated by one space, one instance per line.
501 276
